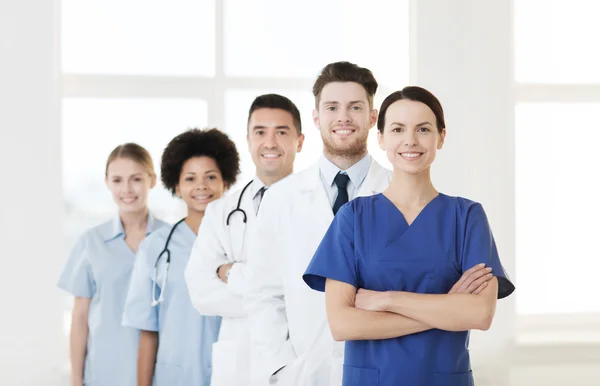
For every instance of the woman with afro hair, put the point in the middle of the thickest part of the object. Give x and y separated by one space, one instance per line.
197 166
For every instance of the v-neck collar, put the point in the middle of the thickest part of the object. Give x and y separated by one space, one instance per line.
419 215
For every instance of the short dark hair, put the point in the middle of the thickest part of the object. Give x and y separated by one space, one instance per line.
417 94
276 101
211 143
345 72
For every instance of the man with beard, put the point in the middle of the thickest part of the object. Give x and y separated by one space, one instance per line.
290 339
291 343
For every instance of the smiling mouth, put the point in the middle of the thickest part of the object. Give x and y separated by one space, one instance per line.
344 132
411 156
128 200
271 156
202 197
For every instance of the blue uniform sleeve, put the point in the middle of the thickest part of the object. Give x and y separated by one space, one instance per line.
139 312
479 246
335 258
77 276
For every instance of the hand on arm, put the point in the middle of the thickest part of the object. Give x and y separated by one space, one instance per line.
451 312
206 271
348 322
472 282
470 304
223 272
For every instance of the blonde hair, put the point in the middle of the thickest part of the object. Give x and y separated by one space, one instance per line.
134 152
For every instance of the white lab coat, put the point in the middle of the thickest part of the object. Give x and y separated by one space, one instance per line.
287 319
219 244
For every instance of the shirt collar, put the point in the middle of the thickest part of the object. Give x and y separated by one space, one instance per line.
357 172
116 228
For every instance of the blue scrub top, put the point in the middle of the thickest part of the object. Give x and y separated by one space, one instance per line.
185 337
370 245
99 268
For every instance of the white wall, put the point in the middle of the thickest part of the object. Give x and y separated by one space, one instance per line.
32 347
463 55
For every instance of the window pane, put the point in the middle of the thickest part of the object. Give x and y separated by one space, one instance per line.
555 40
93 127
557 208
296 39
138 37
237 101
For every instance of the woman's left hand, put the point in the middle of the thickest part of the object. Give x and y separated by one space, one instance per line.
370 300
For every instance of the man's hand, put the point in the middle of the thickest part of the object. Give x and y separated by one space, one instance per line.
223 271
473 281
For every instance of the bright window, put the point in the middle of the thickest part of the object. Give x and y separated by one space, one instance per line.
270 38
556 41
138 37
557 207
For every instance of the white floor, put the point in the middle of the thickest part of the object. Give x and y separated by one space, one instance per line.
529 375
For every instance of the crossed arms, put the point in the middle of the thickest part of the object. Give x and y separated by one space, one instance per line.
366 315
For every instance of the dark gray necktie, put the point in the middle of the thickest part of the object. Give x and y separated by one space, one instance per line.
261 193
341 181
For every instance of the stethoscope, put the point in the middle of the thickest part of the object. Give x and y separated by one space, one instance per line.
237 208
166 251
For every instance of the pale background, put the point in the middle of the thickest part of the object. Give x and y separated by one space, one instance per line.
519 82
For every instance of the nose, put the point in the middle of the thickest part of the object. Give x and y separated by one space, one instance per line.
344 116
129 187
202 183
270 140
410 139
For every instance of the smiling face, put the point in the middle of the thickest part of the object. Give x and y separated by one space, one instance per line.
273 141
200 183
410 136
129 183
344 117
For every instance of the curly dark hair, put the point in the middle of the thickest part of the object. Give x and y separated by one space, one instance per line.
211 143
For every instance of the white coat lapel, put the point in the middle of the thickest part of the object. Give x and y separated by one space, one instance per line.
315 195
377 180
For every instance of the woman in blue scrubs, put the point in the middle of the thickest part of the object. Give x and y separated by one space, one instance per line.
389 261
176 341
97 273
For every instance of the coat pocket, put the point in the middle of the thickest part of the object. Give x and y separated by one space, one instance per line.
167 375
360 376
453 379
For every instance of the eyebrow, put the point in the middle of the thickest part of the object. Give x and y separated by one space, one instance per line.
279 127
337 103
133 175
418 124
206 172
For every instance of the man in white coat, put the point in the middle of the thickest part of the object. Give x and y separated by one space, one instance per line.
290 339
216 271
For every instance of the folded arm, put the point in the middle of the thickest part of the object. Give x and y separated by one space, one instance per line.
450 312
208 293
370 315
350 323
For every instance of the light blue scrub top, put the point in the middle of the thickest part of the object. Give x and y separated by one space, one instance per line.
370 245
99 268
185 337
